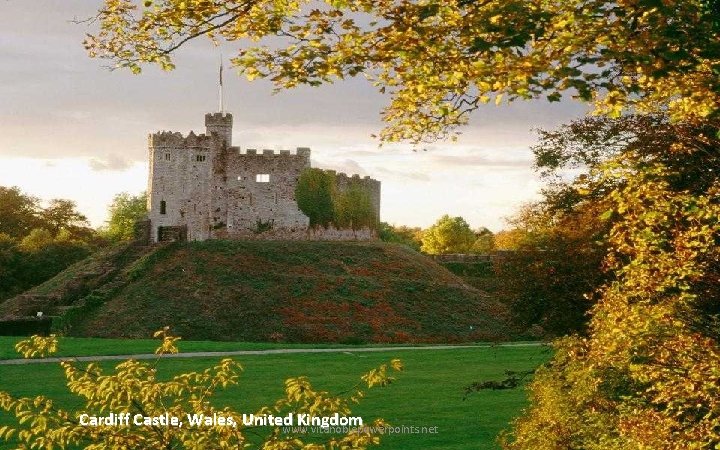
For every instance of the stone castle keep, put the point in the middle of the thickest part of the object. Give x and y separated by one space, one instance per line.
201 187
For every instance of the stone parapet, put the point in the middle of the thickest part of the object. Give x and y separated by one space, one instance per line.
171 139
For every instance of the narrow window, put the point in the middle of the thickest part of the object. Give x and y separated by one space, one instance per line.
199 158
262 178
163 206
167 156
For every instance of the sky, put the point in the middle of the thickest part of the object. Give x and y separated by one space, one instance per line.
71 128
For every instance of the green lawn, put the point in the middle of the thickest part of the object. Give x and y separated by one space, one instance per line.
429 393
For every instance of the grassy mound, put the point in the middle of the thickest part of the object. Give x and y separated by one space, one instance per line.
294 292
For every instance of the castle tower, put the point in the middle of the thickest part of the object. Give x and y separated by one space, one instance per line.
220 123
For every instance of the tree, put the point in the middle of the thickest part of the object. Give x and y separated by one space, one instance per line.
513 239
124 211
646 374
42 256
442 59
484 241
36 240
38 243
401 234
62 214
326 203
19 213
134 388
448 235
36 258
549 279
10 283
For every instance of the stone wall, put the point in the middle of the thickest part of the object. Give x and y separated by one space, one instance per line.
142 232
471 258
269 201
307 234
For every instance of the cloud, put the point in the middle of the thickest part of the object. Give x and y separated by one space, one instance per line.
415 176
362 153
111 162
480 160
478 157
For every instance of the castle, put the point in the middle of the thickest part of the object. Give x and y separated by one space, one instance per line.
201 187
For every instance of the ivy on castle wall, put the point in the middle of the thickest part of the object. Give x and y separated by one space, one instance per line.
314 194
354 209
320 198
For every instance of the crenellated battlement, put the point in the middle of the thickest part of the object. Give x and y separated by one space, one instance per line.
218 117
302 152
220 124
177 140
343 178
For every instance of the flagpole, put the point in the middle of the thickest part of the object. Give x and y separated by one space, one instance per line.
222 107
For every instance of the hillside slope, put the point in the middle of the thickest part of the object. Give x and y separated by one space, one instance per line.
295 292
68 292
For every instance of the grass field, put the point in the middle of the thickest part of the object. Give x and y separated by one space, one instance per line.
429 393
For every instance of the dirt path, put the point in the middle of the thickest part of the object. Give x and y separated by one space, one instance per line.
278 351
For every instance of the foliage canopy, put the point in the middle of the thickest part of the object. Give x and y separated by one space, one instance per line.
647 374
448 235
441 59
401 234
35 242
125 210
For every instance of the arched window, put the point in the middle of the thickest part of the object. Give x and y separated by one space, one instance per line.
163 206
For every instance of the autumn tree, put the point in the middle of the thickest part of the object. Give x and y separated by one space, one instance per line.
646 374
441 59
448 235
512 239
553 278
549 278
484 241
